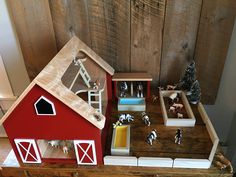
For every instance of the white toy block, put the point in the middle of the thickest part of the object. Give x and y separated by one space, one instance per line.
120 160
155 162
191 163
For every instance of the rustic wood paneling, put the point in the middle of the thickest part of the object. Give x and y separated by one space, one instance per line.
158 36
102 25
34 27
180 31
147 17
215 29
70 18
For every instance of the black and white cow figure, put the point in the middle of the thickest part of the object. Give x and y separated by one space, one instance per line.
146 119
123 89
126 117
140 90
178 136
151 137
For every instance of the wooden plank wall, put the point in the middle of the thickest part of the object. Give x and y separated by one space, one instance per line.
180 32
34 28
147 20
158 36
215 29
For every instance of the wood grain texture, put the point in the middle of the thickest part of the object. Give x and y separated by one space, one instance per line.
70 18
196 140
102 25
180 31
147 18
47 170
215 29
34 27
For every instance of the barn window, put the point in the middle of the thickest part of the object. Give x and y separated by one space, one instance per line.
43 106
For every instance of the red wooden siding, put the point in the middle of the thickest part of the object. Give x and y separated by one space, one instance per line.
23 122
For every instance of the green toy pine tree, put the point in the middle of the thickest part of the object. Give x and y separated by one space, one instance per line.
189 77
195 93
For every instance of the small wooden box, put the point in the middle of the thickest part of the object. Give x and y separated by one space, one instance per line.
180 122
121 140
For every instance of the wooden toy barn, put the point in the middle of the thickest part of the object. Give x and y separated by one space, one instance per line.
63 109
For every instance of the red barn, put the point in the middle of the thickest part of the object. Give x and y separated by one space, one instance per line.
51 117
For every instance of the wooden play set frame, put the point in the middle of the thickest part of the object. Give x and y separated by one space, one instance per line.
58 85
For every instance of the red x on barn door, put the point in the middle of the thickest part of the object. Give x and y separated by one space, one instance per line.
85 152
28 150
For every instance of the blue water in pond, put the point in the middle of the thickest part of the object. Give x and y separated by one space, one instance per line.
131 101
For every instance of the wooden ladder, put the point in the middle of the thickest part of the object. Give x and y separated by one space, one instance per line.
97 99
84 74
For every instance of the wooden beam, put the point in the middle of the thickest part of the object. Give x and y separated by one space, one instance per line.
180 31
147 18
215 29
34 28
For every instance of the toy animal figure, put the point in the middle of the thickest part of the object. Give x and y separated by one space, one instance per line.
171 87
174 97
54 143
179 115
129 118
96 84
139 90
223 163
122 118
126 117
123 89
118 123
178 106
154 98
160 88
151 137
178 136
66 146
172 109
146 119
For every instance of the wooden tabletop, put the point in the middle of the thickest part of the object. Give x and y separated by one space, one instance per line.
132 77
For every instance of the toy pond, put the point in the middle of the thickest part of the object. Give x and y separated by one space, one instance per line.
78 110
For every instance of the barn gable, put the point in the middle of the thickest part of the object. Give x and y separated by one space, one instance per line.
24 122
50 80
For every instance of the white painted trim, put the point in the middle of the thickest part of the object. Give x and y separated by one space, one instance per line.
47 100
121 160
91 143
191 163
32 143
155 162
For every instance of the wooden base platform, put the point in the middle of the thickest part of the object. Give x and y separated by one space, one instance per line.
196 140
196 144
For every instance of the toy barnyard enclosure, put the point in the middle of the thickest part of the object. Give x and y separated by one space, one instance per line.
78 110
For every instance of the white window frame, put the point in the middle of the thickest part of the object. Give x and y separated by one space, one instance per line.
91 143
32 143
47 100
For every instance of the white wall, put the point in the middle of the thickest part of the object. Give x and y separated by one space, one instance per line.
11 52
223 113
12 60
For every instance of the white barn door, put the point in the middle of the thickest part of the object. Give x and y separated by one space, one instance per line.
28 150
85 152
